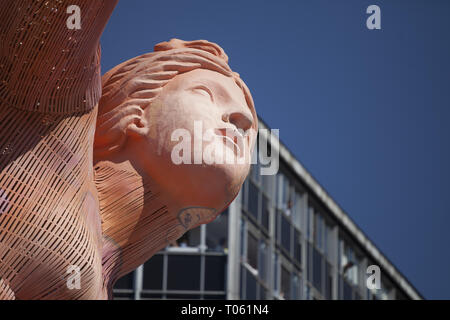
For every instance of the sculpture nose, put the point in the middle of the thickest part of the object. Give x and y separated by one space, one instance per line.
241 120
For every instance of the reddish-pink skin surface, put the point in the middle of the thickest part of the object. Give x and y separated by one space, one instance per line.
76 191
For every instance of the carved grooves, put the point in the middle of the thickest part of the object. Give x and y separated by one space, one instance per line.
44 66
135 223
45 172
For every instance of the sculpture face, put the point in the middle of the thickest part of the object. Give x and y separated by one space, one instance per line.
173 142
203 104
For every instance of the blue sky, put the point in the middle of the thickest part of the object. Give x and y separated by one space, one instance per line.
366 111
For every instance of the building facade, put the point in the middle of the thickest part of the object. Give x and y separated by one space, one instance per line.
283 237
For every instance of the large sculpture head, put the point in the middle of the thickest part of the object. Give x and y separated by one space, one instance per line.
184 118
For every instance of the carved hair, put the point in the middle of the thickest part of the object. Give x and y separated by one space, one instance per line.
137 82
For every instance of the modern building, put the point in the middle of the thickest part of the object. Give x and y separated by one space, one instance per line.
283 237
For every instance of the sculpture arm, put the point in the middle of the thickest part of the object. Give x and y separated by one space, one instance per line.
44 65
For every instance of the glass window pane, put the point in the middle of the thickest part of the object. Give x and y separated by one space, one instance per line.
250 287
285 233
297 210
253 193
329 282
255 172
309 261
153 273
126 282
318 231
329 247
190 239
252 251
285 188
262 293
266 184
242 284
277 226
242 237
317 269
217 234
244 194
297 247
215 273
265 212
347 291
263 251
295 288
190 265
285 283
276 285
280 191
310 220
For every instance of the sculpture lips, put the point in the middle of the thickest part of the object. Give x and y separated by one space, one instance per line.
234 137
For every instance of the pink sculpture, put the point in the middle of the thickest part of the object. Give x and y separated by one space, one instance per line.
95 203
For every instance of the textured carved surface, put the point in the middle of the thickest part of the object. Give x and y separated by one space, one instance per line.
44 66
49 216
63 206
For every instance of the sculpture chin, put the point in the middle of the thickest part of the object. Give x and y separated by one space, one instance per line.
209 186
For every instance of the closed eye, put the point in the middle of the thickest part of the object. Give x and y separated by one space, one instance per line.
203 90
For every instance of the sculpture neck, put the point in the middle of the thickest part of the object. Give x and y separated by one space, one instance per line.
137 220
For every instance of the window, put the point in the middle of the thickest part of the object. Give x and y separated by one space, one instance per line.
285 283
284 196
153 273
263 254
347 291
255 172
318 231
253 197
177 280
309 270
297 211
215 270
297 247
329 243
285 233
276 283
217 234
252 251
265 212
126 282
328 281
317 269
242 233
295 288
190 239
349 264
310 221
262 293
267 184
251 286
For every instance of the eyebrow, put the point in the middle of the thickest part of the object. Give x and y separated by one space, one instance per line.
217 86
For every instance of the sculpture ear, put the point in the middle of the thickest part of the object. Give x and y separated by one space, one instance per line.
138 129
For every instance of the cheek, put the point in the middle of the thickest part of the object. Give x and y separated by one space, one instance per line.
185 112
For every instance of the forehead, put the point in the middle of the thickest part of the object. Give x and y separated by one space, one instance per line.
223 86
